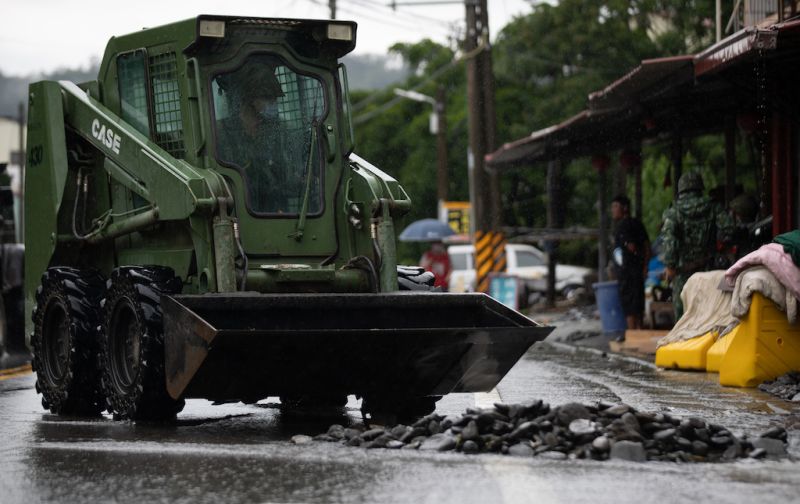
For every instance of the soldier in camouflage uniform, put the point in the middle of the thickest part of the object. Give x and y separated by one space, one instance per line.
693 228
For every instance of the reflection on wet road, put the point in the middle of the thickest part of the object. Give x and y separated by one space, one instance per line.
241 453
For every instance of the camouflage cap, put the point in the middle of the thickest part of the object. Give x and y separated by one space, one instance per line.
690 181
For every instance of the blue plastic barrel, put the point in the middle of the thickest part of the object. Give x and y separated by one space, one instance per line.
611 315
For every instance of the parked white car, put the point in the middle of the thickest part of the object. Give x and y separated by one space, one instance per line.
524 261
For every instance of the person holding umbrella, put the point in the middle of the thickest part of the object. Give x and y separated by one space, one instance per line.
436 260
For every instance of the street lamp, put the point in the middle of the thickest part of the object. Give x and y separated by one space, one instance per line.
438 127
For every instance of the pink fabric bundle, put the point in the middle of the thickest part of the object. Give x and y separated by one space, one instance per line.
772 257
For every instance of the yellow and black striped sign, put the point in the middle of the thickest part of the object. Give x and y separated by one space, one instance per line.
490 257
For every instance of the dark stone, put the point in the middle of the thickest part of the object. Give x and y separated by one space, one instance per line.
488 417
631 421
500 427
758 453
326 438
664 435
774 448
696 423
372 434
470 447
571 411
449 421
731 452
775 433
553 455
617 410
524 430
645 417
721 440
355 441
520 450
699 448
582 426
702 435
379 442
601 444
351 433
399 431
628 450
550 439
434 427
492 442
413 433
684 444
603 405
336 431
470 432
438 442
424 421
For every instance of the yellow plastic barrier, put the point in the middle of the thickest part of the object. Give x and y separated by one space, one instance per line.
718 350
765 347
689 354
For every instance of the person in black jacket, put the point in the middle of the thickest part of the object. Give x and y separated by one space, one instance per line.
631 256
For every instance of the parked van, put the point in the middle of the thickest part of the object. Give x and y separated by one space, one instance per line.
524 261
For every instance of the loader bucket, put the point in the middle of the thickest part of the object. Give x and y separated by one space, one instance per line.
247 346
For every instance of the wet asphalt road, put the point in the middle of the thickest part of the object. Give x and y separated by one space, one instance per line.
242 453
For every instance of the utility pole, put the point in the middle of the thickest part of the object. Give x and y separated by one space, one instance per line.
484 186
441 146
20 219
332 6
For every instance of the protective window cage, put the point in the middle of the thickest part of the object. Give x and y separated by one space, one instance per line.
167 104
302 101
133 90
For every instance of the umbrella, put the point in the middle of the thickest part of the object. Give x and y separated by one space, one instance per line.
426 230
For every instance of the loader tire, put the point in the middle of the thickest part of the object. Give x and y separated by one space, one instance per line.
131 338
64 347
414 278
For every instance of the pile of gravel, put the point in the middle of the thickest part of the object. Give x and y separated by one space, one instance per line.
786 386
571 431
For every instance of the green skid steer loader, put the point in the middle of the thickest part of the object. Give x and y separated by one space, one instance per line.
197 226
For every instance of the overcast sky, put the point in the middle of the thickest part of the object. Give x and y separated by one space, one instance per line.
41 35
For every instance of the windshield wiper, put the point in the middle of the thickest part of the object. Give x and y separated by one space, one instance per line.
301 218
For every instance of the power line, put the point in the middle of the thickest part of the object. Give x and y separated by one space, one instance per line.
413 17
394 101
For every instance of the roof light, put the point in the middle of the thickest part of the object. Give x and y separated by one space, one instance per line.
340 32
210 28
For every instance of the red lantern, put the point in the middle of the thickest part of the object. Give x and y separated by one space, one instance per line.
747 121
600 162
630 159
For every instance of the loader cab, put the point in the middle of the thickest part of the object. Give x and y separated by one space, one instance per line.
261 101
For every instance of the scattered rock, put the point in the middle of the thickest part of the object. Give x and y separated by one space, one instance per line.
438 442
601 444
470 432
553 455
582 426
572 411
573 430
470 447
520 450
628 450
774 448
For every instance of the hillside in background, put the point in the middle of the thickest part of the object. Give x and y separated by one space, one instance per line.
365 72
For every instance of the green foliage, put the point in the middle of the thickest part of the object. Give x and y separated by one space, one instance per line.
545 65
